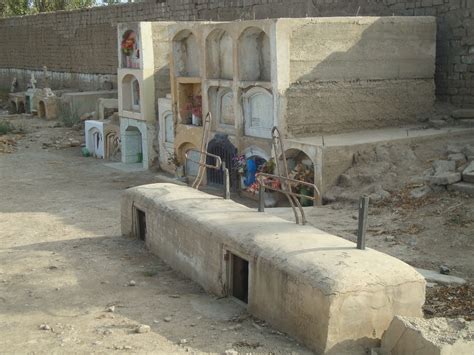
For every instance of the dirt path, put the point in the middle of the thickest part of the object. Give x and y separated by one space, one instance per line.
63 262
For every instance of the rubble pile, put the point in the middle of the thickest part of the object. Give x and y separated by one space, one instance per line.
450 301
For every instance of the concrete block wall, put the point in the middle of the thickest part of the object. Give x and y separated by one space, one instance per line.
83 41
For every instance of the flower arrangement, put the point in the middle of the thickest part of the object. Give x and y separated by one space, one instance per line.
128 42
240 164
268 168
173 159
193 107
303 173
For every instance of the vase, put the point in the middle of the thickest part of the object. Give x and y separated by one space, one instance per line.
196 120
305 202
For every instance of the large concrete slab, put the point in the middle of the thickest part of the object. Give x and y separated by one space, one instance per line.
315 286
436 336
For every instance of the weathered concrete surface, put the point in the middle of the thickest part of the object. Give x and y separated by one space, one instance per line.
317 287
468 173
408 335
433 276
464 187
83 102
356 73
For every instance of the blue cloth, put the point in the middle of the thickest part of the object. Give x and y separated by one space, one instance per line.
251 171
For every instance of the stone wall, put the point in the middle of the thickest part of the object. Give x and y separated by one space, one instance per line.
83 41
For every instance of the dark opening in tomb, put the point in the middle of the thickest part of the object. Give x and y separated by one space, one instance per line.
141 224
222 147
240 278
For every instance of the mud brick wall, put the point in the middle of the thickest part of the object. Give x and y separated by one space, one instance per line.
83 41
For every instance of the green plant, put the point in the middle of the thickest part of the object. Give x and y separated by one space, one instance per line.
6 127
68 115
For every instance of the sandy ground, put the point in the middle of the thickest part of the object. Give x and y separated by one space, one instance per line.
63 262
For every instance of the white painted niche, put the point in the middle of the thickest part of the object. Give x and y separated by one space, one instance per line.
130 93
254 55
186 54
222 106
258 112
219 48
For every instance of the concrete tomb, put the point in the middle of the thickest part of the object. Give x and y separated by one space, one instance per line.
143 77
307 76
312 285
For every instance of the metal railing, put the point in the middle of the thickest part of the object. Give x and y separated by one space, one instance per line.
271 182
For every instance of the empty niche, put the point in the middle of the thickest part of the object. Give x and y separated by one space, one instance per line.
168 127
254 55
258 112
222 106
130 93
141 224
132 145
239 278
219 55
186 54
41 109
130 49
191 167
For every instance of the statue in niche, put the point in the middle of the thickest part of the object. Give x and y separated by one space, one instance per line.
130 49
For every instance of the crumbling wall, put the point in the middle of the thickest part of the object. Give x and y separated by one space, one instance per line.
83 41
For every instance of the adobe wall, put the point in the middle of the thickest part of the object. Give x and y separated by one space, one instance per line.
83 41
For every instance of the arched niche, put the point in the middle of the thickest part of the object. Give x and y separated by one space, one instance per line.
133 145
301 167
186 54
222 106
130 93
258 112
95 139
13 108
190 166
168 126
254 55
41 109
219 49
221 146
130 48
21 107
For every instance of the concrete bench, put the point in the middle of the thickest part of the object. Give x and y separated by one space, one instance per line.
312 285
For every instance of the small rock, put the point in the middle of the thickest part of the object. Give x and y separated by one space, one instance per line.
443 269
420 192
44 327
142 328
443 166
183 341
167 319
453 149
445 178
107 332
132 283
156 321
110 309
458 158
231 352
97 342
389 238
